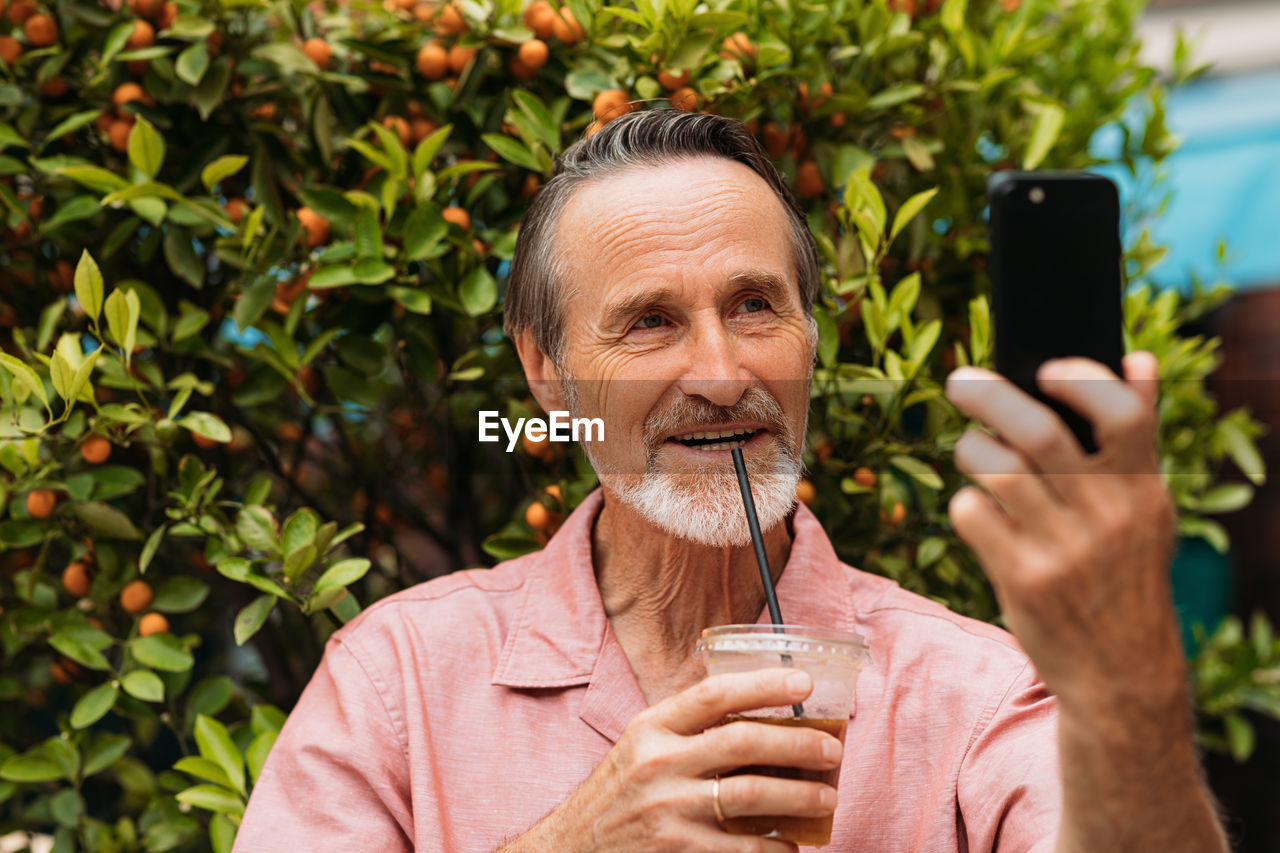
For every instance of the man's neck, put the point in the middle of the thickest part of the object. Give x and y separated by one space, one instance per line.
660 591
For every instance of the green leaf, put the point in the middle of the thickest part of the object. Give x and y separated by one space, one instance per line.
367 233
287 55
161 651
25 376
299 560
413 299
478 292
1242 451
423 230
80 651
212 798
909 210
952 15
221 169
930 551
266 718
94 705
1211 531
428 148
1227 497
192 63
332 276
93 177
11 137
180 594
149 549
146 148
828 336
203 768
548 130
81 377
509 547
192 319
80 207
512 151
116 40
209 697
103 751
208 95
71 124
141 196
180 254
252 617
584 85
235 568
299 529
1049 119
372 271
143 684
222 833
256 527
917 470
32 766
342 573
256 755
396 154
61 372
123 311
895 95
254 301
216 745
1240 736
206 424
106 520
88 281
373 155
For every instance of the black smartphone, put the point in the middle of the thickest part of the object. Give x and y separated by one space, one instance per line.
1056 287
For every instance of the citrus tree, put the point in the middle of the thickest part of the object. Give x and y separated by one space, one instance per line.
252 277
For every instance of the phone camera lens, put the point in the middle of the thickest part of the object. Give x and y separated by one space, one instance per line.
1036 195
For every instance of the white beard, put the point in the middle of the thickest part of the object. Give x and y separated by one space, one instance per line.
705 506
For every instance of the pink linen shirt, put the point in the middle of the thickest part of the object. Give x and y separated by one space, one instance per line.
456 714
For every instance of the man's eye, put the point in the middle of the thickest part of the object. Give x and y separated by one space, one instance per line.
752 305
650 321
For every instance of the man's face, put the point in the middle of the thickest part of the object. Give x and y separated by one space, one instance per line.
683 318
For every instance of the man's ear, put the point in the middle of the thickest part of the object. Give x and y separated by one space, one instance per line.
540 372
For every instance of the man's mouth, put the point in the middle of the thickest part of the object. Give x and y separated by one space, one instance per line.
726 439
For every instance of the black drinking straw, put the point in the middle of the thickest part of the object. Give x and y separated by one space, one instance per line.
762 559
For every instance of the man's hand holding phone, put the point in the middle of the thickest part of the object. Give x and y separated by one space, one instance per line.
1077 546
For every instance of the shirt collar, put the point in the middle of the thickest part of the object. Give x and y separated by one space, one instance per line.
561 630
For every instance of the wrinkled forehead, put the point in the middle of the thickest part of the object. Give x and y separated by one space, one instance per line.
697 220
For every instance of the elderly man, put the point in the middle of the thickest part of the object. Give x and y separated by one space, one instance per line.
663 282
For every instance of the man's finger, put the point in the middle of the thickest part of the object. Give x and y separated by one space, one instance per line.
1023 422
1142 372
746 742
708 702
981 524
747 795
1123 419
1009 478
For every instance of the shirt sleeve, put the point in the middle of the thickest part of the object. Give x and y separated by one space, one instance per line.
1010 785
337 777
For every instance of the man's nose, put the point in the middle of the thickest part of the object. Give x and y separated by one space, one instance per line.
714 371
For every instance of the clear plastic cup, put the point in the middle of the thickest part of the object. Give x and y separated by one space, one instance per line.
833 659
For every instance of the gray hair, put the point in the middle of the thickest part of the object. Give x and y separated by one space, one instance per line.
536 288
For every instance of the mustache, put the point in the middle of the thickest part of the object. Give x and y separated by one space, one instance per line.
684 414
